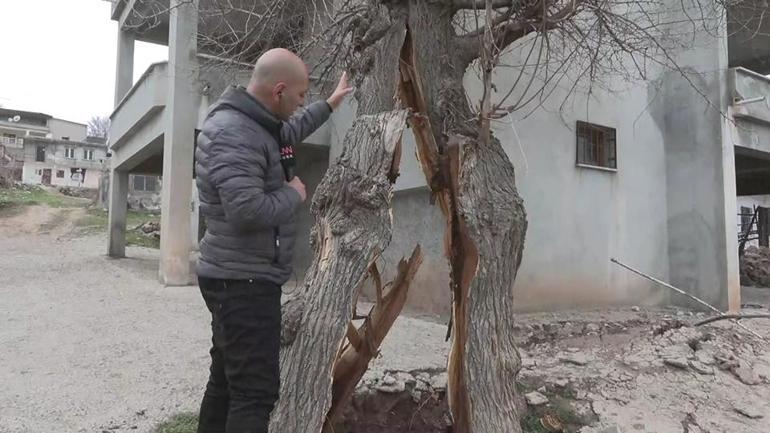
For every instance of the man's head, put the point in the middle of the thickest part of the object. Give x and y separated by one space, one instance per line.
279 82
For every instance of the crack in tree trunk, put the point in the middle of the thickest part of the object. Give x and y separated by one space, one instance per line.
474 183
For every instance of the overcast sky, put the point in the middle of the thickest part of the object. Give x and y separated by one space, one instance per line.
58 57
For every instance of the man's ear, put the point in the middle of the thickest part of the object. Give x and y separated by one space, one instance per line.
278 90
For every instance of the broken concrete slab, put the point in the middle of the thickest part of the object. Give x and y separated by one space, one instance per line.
746 374
701 368
439 381
680 363
535 398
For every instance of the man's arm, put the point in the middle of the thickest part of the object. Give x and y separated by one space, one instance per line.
301 125
238 173
304 123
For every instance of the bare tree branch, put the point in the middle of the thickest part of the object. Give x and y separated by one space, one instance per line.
481 4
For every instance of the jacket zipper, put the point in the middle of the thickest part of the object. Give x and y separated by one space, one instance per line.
277 238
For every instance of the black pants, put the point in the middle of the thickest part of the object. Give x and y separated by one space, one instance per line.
246 336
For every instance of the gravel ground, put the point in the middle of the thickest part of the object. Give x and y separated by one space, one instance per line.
95 344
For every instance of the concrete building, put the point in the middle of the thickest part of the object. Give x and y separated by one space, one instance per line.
15 126
51 151
648 174
58 162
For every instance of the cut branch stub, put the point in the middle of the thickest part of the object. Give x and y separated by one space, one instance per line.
352 227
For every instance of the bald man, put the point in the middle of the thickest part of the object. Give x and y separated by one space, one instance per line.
249 197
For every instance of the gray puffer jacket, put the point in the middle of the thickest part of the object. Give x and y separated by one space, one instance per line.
249 208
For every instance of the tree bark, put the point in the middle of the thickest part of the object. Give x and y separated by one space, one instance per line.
351 207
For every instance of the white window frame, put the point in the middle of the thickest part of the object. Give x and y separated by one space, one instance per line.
88 154
69 152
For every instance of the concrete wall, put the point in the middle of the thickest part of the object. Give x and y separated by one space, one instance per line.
578 217
64 128
415 222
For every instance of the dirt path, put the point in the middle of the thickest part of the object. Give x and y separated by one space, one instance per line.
40 220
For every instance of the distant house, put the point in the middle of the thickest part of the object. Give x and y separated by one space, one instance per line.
61 162
16 125
51 151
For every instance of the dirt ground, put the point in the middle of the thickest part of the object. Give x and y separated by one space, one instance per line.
93 344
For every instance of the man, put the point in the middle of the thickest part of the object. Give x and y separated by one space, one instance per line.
247 250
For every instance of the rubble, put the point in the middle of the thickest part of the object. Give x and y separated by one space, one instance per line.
700 368
439 382
391 385
71 191
746 374
755 267
149 229
677 362
535 398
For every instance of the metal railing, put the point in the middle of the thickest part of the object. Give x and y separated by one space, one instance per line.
755 230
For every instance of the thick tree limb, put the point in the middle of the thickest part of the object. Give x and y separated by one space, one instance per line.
351 207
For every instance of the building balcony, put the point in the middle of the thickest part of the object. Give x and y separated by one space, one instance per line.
141 108
750 94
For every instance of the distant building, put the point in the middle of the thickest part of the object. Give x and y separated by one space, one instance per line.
50 151
63 162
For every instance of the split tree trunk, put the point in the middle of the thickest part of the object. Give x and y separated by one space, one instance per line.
353 226
410 48
473 182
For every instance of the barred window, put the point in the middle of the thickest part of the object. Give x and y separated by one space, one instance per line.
596 146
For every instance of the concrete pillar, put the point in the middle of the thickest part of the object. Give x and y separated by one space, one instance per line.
124 66
117 215
731 299
178 146
700 175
